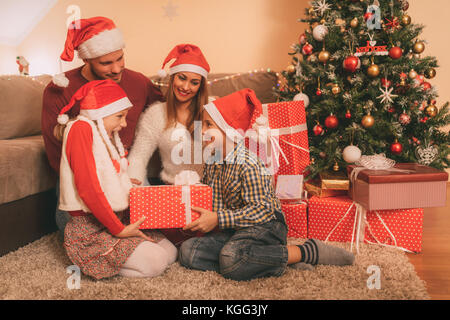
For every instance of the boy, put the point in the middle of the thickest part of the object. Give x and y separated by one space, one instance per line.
252 240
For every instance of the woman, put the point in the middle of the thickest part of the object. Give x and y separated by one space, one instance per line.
169 126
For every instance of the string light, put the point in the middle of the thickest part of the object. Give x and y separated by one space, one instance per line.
9 77
228 77
162 84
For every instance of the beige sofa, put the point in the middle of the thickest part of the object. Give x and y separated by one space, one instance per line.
27 183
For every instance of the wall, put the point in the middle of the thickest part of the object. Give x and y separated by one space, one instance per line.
234 35
436 34
8 56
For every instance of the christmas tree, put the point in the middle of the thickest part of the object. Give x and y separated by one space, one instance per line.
362 72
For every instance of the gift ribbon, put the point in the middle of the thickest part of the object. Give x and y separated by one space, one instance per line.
390 233
273 133
359 224
186 199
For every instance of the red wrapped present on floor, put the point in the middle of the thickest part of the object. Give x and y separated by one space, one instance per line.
286 149
296 219
331 218
168 206
395 228
403 186
343 220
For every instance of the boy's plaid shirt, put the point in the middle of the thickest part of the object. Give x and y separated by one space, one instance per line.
242 190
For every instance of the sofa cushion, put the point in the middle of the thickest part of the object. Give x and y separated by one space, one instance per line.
24 168
20 106
262 82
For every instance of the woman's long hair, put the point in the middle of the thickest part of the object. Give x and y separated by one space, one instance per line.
195 108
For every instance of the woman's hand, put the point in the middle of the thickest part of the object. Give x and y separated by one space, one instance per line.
135 181
132 230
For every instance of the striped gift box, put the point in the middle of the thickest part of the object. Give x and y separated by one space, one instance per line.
417 186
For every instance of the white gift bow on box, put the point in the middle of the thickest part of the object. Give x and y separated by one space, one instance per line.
186 178
263 128
359 224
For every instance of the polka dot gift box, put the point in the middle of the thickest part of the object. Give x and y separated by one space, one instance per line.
287 123
326 213
334 218
168 206
296 219
400 228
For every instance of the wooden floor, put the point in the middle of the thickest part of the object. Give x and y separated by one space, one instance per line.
433 263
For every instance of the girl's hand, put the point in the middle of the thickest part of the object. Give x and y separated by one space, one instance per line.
207 221
132 230
135 181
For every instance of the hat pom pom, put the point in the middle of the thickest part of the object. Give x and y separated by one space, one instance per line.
60 80
262 121
162 73
63 119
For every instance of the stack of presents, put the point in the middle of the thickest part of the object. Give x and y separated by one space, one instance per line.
382 207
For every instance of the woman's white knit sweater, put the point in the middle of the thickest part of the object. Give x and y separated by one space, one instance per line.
151 135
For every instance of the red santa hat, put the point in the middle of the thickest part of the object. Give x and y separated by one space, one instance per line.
188 58
234 112
92 38
99 99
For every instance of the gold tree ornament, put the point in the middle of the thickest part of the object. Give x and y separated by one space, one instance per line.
406 20
430 73
354 23
324 56
373 71
431 110
412 74
290 69
336 89
336 166
418 47
367 121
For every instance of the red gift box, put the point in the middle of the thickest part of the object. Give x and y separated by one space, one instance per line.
168 206
339 219
417 186
331 218
398 228
296 219
287 122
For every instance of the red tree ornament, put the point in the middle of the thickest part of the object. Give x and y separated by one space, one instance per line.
307 49
318 130
386 83
331 121
302 39
396 148
395 53
404 119
348 115
426 86
351 64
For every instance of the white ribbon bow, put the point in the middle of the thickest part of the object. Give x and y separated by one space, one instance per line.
359 225
272 136
186 178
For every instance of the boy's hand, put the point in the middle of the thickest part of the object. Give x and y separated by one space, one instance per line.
207 221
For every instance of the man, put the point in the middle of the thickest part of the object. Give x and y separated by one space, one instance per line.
100 45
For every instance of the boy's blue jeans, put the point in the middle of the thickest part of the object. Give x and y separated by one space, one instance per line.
244 254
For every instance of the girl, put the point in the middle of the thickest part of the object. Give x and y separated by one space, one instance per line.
94 189
168 125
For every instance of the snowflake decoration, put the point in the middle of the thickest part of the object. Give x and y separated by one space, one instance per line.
170 10
321 6
387 96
